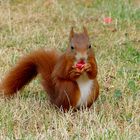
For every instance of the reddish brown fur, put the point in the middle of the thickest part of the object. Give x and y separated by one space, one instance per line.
58 73
28 68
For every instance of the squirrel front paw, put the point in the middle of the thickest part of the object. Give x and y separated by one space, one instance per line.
75 72
90 70
88 67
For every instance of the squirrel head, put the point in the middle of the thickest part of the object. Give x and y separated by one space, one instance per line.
79 46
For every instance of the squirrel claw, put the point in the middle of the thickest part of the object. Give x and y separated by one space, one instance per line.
87 67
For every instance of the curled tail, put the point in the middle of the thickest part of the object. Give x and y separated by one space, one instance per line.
27 68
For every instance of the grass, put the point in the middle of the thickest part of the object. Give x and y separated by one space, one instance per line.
28 25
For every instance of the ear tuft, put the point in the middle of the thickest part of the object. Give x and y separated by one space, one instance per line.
85 30
72 33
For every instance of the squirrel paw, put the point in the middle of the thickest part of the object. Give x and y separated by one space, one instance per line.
75 72
87 67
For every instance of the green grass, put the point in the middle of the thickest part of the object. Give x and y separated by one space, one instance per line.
28 25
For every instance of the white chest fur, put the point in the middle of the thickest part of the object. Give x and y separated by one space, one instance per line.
85 86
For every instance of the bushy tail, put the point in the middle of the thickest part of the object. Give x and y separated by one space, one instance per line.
27 68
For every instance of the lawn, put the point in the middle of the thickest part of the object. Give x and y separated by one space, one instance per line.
26 25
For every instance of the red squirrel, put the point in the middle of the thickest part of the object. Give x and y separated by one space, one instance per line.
69 79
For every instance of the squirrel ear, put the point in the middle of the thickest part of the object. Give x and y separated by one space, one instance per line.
85 30
71 33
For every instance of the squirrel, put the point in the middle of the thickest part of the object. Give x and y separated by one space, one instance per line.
69 78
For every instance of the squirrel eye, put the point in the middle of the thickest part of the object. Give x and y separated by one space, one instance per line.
89 46
72 47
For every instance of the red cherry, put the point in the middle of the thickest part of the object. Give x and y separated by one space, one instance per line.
80 64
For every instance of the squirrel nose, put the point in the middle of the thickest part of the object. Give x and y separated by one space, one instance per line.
82 58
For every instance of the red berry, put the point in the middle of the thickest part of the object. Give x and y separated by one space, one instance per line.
80 64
